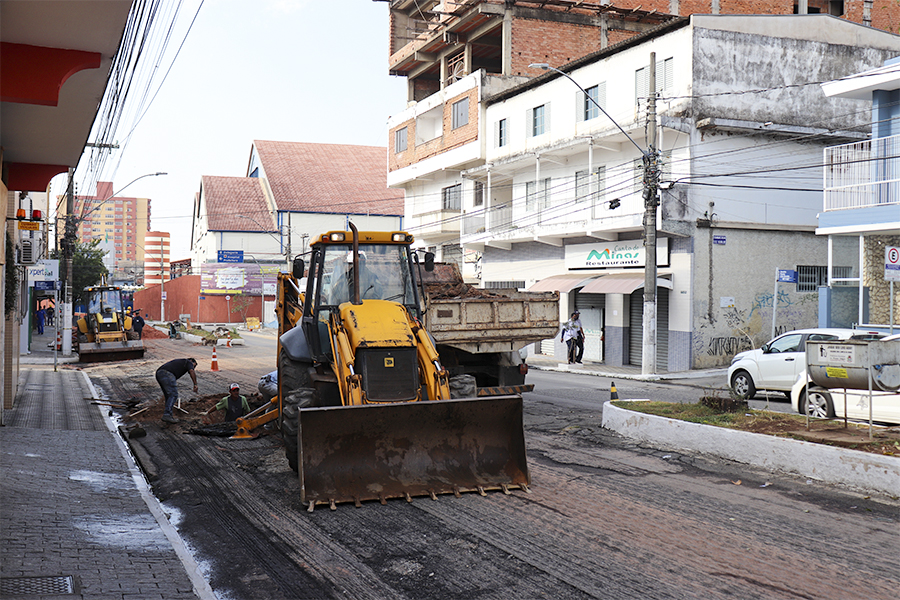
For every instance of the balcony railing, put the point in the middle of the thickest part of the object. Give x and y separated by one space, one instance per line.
863 174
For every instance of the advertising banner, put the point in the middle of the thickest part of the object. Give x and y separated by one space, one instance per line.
628 253
238 278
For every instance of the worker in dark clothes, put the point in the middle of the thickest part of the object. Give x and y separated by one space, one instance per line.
233 404
167 377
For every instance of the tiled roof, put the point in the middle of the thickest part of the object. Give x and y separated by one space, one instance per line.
329 178
230 199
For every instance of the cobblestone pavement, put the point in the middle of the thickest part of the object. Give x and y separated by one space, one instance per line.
74 523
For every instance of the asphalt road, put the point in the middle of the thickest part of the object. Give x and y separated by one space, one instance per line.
605 518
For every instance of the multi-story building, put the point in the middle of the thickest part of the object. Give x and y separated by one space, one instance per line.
545 188
861 211
156 258
122 221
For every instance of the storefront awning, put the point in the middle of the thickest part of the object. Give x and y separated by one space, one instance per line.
560 283
620 283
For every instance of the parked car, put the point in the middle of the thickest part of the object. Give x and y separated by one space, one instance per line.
829 403
777 364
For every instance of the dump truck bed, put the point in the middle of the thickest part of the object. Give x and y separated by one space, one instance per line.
481 321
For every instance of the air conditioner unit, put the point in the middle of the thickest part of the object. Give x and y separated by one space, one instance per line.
28 252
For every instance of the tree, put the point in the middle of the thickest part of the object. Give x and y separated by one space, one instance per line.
240 303
87 268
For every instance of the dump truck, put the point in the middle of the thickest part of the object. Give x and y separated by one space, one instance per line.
480 332
105 332
364 401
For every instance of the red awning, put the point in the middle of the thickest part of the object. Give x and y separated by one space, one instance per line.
561 283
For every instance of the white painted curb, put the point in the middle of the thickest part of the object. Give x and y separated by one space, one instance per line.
830 464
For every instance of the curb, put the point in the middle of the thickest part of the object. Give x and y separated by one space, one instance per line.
829 464
678 376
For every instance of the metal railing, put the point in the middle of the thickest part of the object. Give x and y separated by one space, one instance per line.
863 174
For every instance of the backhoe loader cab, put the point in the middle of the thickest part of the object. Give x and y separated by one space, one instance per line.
105 332
366 411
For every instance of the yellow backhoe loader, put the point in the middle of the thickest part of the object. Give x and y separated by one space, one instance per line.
364 404
105 332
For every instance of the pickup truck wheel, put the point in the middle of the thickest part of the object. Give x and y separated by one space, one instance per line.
290 421
817 404
742 385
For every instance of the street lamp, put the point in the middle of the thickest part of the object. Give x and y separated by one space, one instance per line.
651 185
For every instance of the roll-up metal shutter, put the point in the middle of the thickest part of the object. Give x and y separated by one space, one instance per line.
592 308
636 328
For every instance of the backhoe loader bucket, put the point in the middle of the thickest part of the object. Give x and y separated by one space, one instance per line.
110 351
375 452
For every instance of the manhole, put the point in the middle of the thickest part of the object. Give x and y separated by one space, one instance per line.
11 586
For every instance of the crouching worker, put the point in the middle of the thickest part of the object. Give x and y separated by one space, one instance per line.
234 405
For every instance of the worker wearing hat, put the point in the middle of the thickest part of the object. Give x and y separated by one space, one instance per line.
233 404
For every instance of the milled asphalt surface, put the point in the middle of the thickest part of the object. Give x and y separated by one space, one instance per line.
78 520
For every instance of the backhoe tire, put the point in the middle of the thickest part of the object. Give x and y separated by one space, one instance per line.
290 419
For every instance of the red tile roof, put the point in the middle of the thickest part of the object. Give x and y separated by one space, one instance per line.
329 178
230 199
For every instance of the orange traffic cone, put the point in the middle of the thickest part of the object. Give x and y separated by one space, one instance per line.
613 394
58 341
228 343
215 361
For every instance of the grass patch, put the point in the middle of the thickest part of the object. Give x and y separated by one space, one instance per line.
745 419
208 335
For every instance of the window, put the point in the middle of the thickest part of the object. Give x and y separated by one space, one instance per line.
537 196
587 109
451 197
478 197
587 188
663 79
429 125
460 113
501 133
400 139
810 278
538 121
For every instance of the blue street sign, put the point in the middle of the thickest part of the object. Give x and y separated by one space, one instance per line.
719 240
203 297
787 276
230 256
47 286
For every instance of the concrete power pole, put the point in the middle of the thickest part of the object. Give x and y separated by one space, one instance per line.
69 250
651 186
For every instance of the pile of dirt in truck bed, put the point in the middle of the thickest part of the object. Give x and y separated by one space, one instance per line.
441 291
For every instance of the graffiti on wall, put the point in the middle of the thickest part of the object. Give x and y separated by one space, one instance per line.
735 330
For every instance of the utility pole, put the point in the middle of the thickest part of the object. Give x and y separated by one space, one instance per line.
651 187
68 247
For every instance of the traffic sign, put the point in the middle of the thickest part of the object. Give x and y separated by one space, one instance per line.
787 276
892 263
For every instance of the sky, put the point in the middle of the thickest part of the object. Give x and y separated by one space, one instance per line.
286 70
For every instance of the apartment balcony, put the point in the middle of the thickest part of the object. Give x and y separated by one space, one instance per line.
436 226
862 187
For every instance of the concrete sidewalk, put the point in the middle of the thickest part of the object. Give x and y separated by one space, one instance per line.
78 518
546 363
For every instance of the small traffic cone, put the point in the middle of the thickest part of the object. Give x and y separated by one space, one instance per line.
613 394
228 343
215 361
58 341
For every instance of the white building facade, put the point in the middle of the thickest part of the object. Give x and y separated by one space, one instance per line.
549 194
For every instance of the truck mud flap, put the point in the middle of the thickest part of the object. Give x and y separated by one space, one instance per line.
110 351
375 452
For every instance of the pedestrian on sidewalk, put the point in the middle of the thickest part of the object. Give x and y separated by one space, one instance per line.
233 404
40 316
573 336
167 377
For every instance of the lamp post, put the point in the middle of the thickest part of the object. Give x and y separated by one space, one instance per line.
69 249
650 159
